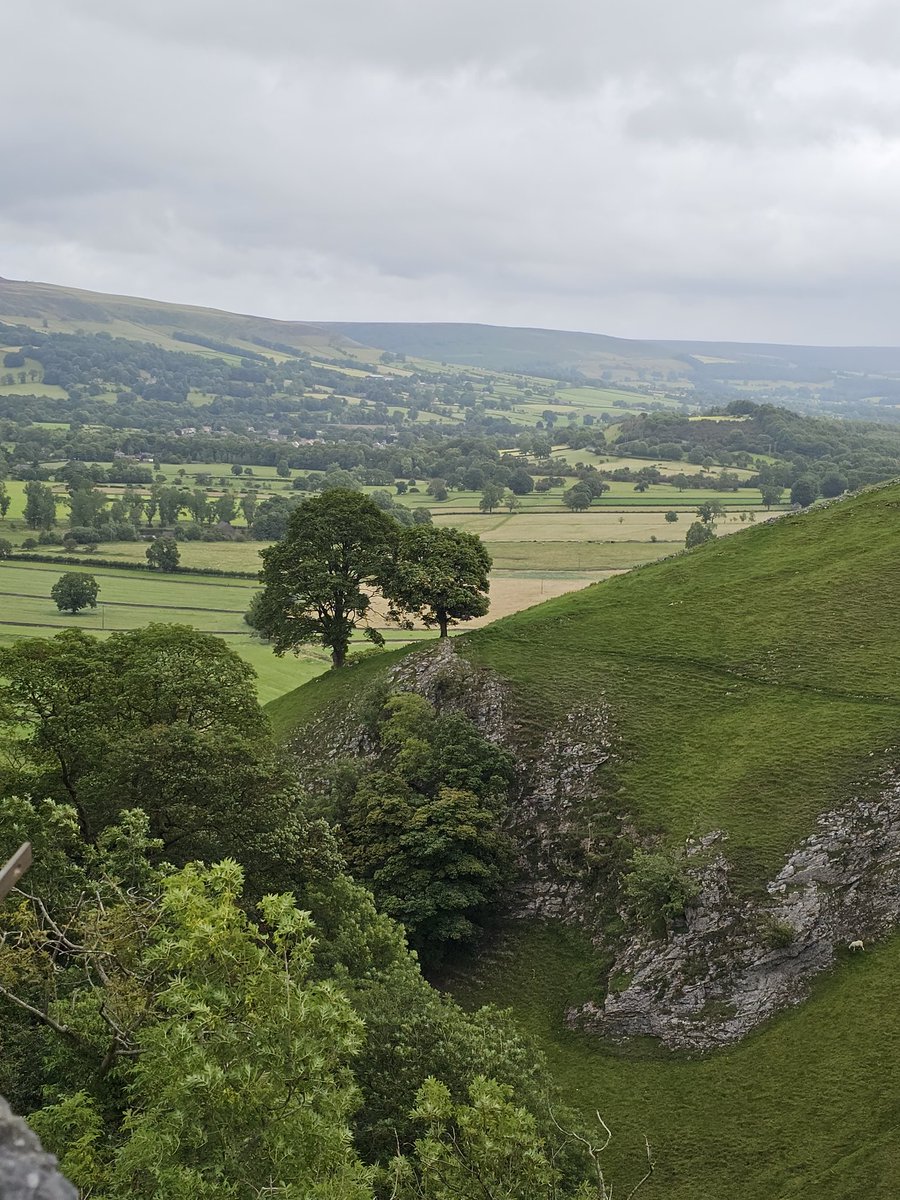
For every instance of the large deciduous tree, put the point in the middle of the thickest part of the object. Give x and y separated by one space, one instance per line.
40 505
441 576
318 580
73 591
85 505
164 718
163 554
578 498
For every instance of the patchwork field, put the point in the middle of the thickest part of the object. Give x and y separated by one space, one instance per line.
131 599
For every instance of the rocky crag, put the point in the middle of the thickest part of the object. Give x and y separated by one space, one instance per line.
732 962
26 1171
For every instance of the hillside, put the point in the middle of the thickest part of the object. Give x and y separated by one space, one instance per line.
852 381
856 382
733 695
508 349
65 310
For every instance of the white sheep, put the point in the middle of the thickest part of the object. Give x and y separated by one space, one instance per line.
857 945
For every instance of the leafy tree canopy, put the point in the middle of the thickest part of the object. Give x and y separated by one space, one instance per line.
440 575
317 581
74 591
424 829
163 554
699 532
164 718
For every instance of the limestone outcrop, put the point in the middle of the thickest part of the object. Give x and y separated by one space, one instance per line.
733 962
26 1171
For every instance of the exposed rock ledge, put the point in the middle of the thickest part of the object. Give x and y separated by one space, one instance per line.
713 981
735 963
26 1171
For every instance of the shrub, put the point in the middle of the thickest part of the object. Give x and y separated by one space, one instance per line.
698 534
777 934
658 887
190 532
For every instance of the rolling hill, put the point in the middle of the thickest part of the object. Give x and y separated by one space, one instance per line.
859 382
736 711
836 379
65 310
503 349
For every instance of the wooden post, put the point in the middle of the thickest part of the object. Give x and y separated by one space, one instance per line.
12 872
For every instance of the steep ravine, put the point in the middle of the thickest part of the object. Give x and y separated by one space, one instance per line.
733 961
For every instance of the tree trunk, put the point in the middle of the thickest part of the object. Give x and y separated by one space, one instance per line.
338 655
442 622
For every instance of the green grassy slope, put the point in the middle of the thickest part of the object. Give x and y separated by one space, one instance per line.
507 349
753 683
804 1109
67 309
749 682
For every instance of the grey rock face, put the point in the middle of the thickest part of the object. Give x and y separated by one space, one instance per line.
732 963
735 964
26 1172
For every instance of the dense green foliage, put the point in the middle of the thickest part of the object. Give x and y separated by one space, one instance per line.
317 581
174 1030
832 455
74 591
340 548
440 576
423 827
163 554
162 718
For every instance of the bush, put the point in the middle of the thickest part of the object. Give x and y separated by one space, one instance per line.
113 531
777 934
190 532
29 543
82 535
697 535
49 538
658 888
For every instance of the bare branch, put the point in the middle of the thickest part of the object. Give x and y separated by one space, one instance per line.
650 1166
43 1017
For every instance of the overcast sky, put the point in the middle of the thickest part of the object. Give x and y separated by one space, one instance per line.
647 168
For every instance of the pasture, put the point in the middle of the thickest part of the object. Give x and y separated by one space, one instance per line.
541 551
131 599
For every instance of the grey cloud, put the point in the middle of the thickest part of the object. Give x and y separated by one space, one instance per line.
647 169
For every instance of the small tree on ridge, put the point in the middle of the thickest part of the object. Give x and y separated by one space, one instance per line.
440 575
